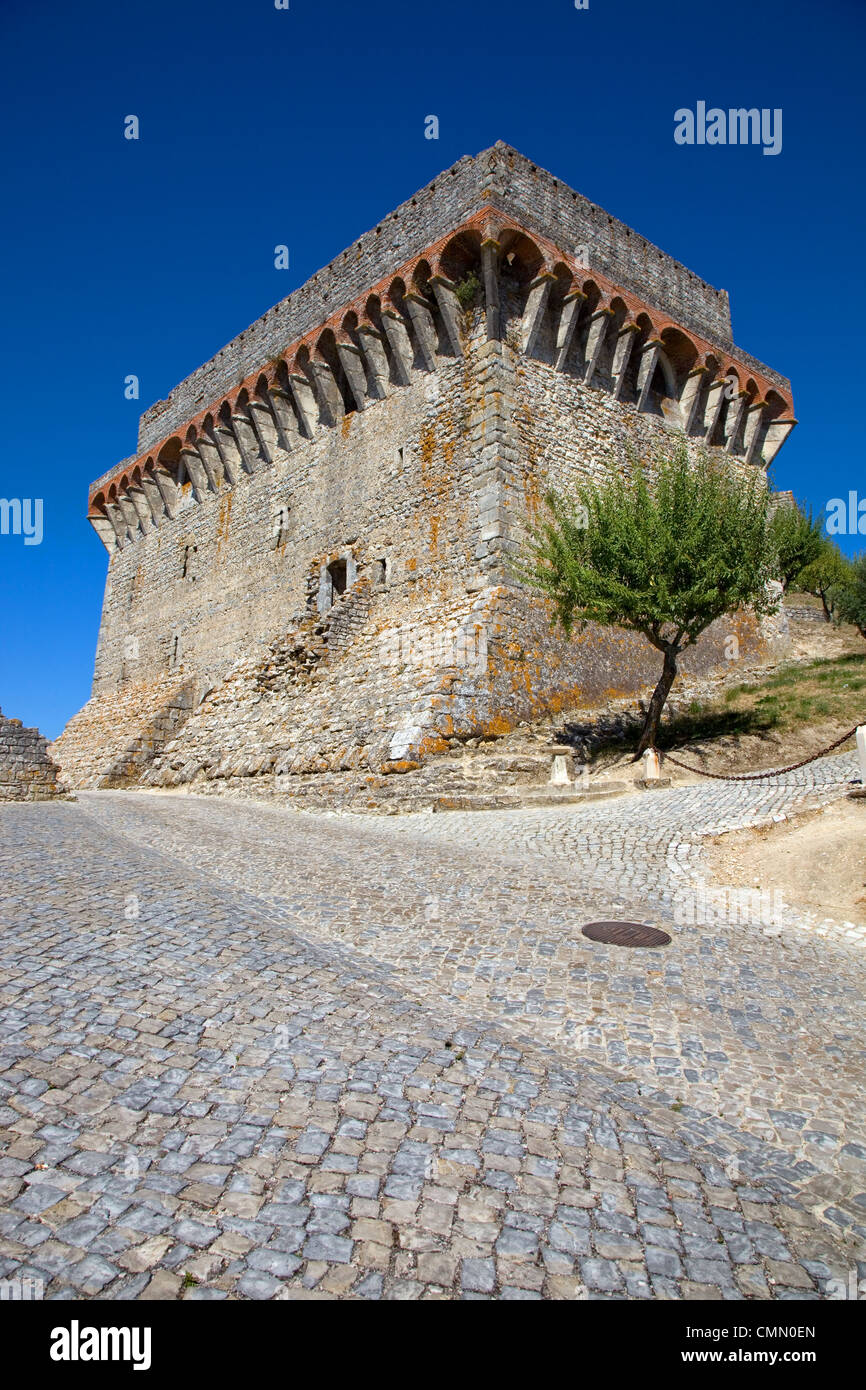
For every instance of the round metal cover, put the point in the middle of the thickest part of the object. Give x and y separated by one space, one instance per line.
626 934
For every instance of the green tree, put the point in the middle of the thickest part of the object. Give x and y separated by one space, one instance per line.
664 560
851 595
798 539
826 578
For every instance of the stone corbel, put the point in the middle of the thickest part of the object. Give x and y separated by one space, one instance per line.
449 307
353 365
648 361
130 516
211 461
691 397
117 523
155 499
287 424
248 442
305 400
625 341
736 415
713 407
168 488
777 433
598 326
330 401
425 329
140 503
376 359
401 344
752 434
195 471
490 249
227 445
571 307
533 313
265 428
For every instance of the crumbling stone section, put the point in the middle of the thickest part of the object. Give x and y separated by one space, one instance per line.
110 742
27 772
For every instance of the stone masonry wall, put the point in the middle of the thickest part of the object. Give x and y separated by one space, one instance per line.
423 495
27 773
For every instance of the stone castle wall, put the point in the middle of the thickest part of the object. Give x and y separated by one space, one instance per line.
424 495
317 575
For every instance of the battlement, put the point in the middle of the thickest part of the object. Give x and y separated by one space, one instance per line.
499 176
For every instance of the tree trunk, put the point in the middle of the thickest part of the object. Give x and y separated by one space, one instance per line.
657 703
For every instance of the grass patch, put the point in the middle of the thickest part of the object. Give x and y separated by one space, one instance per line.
828 691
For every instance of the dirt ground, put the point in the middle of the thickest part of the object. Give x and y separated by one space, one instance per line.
817 862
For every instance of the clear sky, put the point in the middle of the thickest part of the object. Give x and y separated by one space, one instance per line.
303 127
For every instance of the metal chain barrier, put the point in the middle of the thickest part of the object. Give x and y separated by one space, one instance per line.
758 776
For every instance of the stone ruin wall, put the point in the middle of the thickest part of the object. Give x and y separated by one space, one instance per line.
27 773
217 660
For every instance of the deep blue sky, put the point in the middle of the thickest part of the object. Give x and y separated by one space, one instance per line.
305 127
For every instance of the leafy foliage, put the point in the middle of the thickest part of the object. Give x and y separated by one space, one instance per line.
664 560
851 595
798 540
826 577
467 290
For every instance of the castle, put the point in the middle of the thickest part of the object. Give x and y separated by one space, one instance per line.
309 553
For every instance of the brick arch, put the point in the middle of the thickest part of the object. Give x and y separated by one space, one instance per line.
593 293
421 277
372 313
520 255
396 293
460 255
563 276
301 358
620 312
680 351
169 454
775 405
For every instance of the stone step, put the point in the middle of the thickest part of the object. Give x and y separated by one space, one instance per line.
522 797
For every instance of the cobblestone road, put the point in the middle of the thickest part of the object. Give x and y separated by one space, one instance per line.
248 1052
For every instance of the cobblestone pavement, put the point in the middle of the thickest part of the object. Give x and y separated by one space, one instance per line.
249 1052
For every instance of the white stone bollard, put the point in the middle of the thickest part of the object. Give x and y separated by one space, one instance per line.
861 751
559 771
651 765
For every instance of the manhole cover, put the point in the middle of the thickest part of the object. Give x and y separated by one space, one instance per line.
626 934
